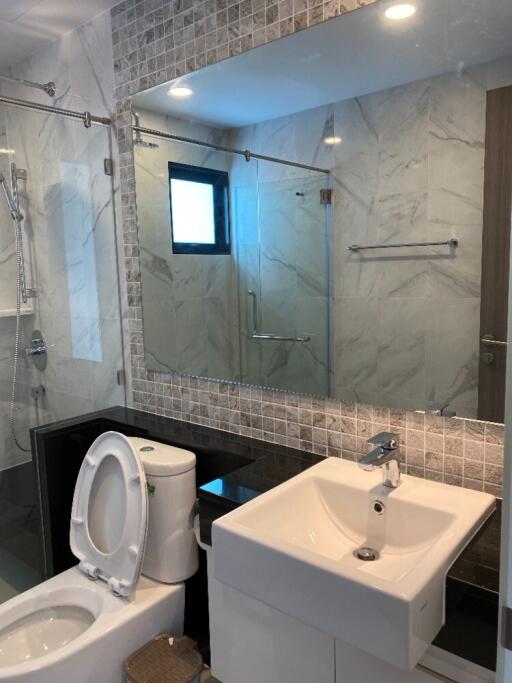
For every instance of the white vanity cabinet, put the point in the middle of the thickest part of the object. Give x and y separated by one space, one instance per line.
254 643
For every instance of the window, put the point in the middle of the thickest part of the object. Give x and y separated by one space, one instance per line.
199 210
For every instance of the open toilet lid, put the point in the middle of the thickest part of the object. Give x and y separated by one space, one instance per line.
109 513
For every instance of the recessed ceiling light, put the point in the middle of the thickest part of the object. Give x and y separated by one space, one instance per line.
179 91
332 140
399 12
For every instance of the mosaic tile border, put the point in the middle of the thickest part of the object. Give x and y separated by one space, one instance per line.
451 450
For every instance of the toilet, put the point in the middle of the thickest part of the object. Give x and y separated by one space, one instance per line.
131 530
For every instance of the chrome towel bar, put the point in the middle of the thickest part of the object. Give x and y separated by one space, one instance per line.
453 242
277 337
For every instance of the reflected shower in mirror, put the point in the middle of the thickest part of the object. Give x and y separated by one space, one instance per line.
248 299
367 260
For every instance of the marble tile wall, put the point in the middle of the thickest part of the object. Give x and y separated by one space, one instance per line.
155 41
418 152
69 230
409 168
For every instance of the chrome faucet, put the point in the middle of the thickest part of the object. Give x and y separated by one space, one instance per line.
386 455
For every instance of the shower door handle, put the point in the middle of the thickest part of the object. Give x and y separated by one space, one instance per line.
255 324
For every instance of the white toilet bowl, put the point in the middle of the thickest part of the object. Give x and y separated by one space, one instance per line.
73 629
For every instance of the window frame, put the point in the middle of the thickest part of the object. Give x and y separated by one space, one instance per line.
219 180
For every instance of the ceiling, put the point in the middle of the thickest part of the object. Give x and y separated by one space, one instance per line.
352 55
26 26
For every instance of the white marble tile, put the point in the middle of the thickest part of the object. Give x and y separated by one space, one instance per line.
453 336
401 117
402 327
356 350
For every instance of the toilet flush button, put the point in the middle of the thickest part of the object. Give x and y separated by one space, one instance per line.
146 449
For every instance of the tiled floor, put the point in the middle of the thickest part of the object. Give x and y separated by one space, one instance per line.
15 576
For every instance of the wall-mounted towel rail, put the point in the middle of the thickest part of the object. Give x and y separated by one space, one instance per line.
263 336
278 337
453 242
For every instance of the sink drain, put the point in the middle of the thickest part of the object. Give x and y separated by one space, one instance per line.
366 554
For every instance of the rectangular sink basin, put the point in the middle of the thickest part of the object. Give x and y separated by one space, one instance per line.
295 548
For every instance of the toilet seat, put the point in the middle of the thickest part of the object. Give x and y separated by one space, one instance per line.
109 513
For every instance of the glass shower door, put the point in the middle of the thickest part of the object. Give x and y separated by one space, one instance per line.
72 308
287 302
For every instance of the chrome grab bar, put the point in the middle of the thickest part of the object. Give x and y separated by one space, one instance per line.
255 323
488 340
263 336
453 242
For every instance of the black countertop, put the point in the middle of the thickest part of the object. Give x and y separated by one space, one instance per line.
479 564
232 470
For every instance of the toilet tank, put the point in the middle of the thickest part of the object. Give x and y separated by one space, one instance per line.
171 553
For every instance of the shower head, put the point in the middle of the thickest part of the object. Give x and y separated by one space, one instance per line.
11 204
50 88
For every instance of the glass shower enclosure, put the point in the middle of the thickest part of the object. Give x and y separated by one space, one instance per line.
69 346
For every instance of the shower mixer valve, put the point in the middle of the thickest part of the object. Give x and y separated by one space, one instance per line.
38 350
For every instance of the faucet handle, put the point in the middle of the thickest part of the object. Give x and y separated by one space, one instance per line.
387 440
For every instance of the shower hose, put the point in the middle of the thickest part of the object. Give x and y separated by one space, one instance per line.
19 279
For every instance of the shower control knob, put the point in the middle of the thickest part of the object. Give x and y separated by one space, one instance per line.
38 350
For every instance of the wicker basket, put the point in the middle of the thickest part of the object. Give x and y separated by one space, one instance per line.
165 660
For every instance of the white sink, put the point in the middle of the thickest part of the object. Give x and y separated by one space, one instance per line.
293 548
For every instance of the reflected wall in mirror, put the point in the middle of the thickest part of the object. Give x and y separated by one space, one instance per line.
413 132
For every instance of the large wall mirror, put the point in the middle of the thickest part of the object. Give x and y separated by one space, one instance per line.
330 213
